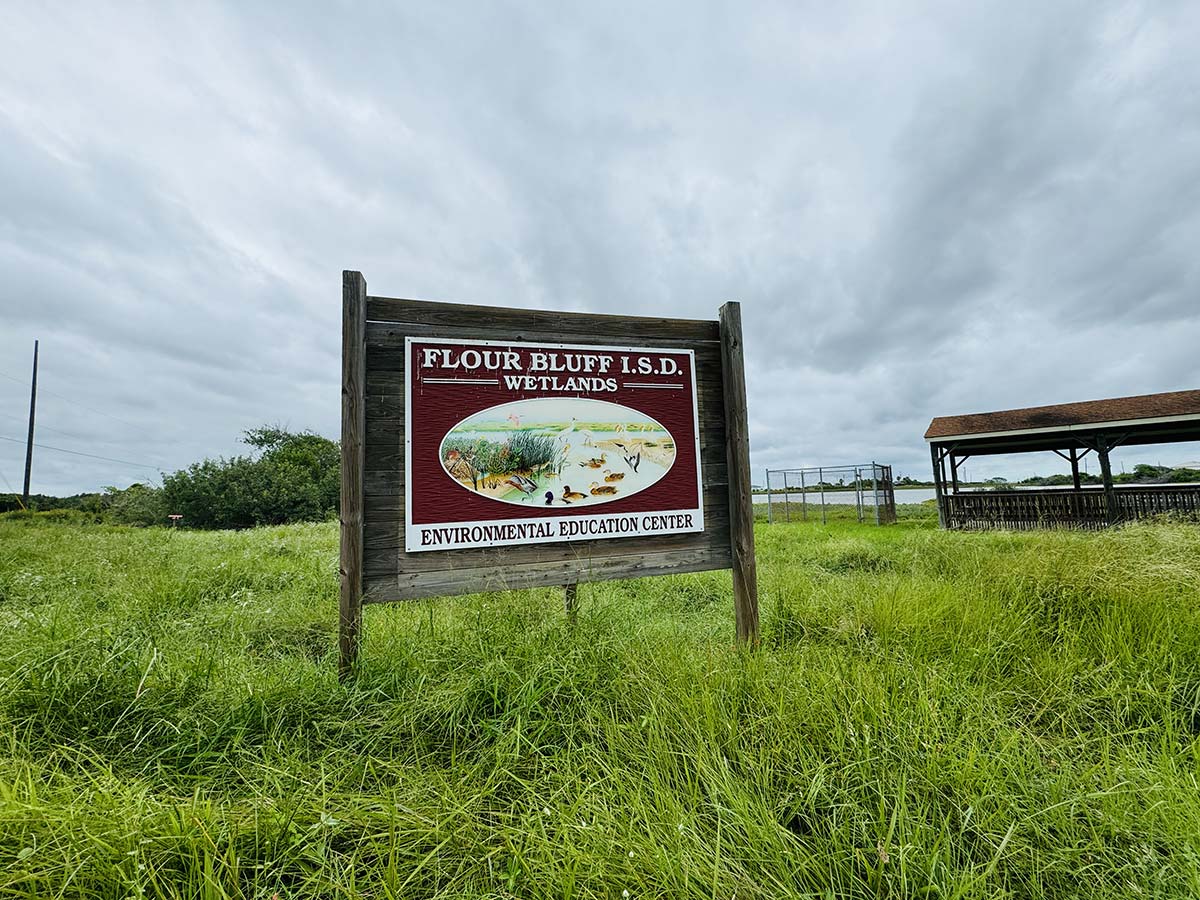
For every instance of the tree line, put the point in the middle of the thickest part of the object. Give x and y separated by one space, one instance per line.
287 477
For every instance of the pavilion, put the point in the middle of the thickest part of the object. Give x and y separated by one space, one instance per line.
1072 430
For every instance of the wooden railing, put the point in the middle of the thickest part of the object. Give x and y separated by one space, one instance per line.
1022 510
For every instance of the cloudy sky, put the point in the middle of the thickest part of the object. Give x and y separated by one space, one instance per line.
924 208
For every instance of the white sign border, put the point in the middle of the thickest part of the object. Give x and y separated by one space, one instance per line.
412 532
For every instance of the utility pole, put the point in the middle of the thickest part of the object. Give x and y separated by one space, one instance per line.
29 441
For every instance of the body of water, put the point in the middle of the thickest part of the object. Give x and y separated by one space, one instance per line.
903 495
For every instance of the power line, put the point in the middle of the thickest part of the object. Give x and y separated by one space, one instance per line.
16 495
70 434
42 427
88 455
74 402
9 483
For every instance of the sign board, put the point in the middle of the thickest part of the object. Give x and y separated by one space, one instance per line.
486 448
513 443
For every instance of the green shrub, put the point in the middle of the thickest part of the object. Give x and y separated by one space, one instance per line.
295 478
138 504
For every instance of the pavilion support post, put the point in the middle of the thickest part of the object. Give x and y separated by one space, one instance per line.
1075 469
937 484
953 474
1103 445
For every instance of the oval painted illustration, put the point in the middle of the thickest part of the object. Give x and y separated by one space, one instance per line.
557 452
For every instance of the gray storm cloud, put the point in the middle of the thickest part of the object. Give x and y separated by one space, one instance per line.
924 210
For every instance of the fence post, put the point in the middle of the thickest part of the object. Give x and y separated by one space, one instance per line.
858 492
821 485
770 520
875 488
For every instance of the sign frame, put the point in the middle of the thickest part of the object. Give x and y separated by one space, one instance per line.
374 564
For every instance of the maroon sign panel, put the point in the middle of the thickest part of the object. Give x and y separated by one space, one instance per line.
520 443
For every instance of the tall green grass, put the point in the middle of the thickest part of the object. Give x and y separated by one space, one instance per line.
930 715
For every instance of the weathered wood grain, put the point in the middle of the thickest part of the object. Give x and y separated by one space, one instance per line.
741 503
392 574
518 324
385 340
350 563
409 586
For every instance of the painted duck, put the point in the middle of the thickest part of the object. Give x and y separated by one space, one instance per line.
595 463
611 476
569 495
549 498
524 485
601 489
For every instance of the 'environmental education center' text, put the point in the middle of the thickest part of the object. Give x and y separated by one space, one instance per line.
555 530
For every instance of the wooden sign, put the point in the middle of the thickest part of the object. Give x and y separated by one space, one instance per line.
489 448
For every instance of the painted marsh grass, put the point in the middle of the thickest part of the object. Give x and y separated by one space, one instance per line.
931 714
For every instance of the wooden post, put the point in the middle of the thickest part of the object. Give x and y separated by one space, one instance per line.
569 602
937 484
1110 492
737 451
29 440
1075 469
354 414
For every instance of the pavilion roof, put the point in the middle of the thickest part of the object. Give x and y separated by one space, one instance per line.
1066 417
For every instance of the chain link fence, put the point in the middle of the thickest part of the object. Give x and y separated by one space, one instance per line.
810 492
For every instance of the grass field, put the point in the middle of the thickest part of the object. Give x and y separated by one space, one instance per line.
930 715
